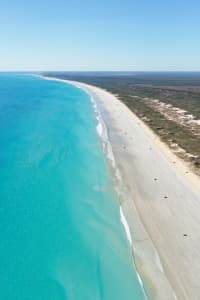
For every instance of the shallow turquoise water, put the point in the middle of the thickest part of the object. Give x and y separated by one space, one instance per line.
61 235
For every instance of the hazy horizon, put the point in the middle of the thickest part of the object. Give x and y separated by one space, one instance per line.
100 71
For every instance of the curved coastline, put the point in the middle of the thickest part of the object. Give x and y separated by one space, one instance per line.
152 277
118 183
158 212
146 259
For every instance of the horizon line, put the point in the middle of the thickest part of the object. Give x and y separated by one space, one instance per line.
99 71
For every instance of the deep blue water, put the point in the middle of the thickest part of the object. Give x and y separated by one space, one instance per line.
61 235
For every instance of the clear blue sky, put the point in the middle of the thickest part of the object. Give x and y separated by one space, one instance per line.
99 35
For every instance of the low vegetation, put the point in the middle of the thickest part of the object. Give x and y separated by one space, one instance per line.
181 90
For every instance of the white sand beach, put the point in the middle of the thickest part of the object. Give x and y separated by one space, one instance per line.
161 203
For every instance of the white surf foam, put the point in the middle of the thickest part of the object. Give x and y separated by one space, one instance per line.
126 227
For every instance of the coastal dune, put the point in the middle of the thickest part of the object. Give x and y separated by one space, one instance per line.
161 203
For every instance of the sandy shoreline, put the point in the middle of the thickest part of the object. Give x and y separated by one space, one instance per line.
161 206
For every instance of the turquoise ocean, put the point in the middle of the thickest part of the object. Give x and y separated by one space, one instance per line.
60 228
